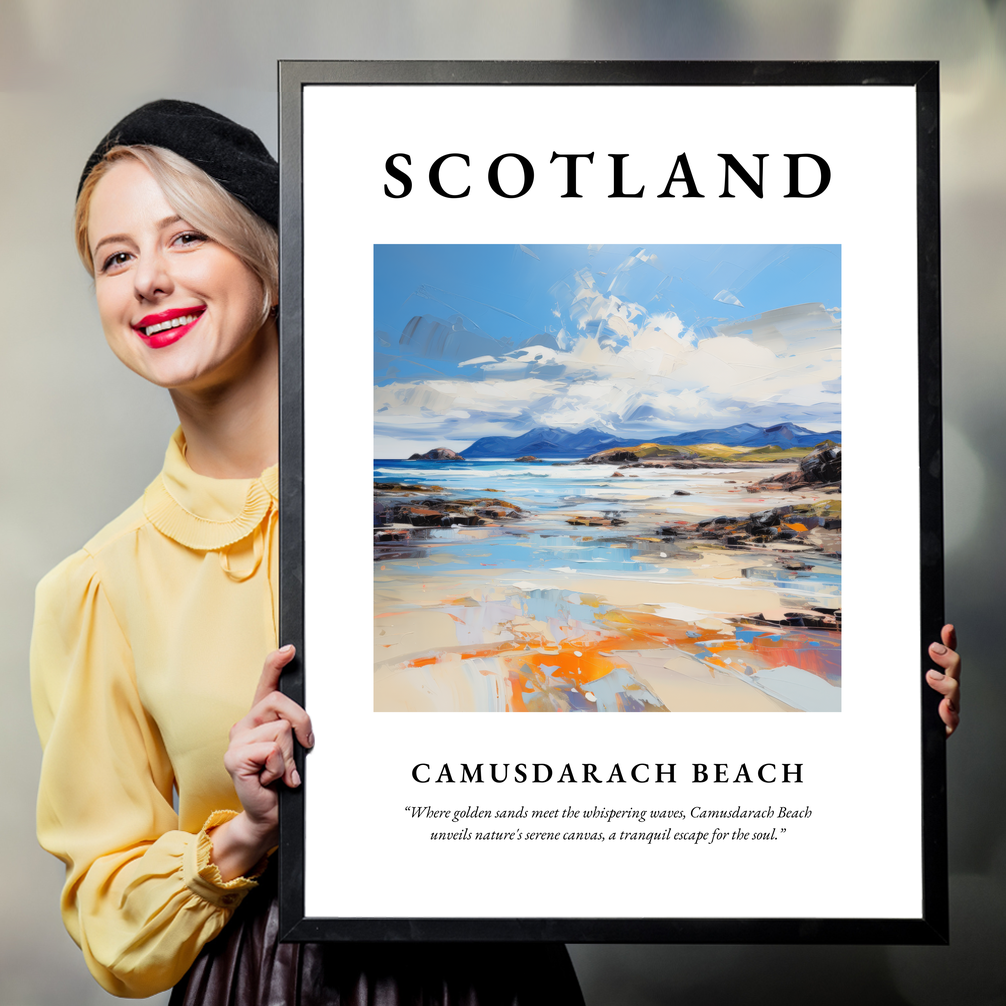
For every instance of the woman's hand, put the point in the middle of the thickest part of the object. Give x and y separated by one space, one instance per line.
947 682
260 753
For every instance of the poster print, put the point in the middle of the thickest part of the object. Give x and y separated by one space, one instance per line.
592 377
603 482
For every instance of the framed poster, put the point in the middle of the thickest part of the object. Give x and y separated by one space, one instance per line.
590 339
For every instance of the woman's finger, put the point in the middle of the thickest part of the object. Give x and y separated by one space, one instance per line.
280 732
271 671
949 660
277 706
949 688
273 766
950 713
950 716
259 760
949 636
944 684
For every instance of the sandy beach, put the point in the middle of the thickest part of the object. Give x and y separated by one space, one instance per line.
588 599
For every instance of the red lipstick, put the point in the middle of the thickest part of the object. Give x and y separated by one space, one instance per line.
166 327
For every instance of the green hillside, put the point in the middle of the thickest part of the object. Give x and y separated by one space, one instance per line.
709 452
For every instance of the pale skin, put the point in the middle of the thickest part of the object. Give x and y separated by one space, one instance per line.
223 378
948 681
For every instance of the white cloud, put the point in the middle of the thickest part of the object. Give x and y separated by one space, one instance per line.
619 367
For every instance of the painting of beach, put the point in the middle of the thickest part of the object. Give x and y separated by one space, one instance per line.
607 478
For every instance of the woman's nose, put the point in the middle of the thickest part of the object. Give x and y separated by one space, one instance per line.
152 277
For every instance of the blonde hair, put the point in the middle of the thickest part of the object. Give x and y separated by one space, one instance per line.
199 200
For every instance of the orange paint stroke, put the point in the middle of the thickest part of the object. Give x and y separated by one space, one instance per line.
536 664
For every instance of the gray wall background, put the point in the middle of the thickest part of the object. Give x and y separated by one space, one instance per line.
82 436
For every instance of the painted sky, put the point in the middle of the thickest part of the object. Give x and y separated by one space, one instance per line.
479 340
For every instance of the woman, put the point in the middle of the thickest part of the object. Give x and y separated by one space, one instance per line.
149 642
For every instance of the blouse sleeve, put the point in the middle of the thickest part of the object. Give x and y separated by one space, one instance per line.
141 898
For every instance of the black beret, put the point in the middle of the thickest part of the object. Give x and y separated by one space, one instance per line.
231 154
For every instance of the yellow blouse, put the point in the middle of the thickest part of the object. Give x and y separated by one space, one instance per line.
147 647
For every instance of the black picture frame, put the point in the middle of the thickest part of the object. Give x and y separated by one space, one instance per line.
932 926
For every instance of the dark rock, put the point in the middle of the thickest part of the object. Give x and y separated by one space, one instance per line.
496 513
409 488
835 613
399 535
799 522
815 618
610 458
823 465
682 492
418 516
821 469
437 454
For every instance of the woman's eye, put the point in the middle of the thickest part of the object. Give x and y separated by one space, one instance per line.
190 238
114 261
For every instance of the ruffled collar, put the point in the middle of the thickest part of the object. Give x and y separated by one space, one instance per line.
203 513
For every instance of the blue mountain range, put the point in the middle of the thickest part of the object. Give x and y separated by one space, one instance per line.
547 442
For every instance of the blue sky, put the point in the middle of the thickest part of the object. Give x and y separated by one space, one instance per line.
472 340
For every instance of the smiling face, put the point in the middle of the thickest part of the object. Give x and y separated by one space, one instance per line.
177 307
